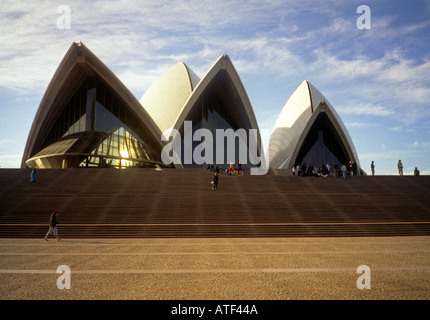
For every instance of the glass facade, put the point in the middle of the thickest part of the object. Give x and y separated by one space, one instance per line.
322 145
104 130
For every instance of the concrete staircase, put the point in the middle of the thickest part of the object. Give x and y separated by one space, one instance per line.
144 203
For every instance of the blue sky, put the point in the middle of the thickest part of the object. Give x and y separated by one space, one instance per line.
377 79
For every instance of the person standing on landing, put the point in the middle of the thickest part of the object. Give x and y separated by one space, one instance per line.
343 169
215 182
400 167
351 170
336 169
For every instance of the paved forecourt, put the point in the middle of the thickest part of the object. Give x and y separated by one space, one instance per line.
215 269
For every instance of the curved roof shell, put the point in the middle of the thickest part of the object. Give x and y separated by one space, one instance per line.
222 73
78 64
295 121
166 97
223 79
172 99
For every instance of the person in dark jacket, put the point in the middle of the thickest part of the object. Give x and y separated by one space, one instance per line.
215 181
53 226
304 169
239 168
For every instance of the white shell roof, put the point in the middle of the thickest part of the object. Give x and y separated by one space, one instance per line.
166 97
77 63
223 63
170 99
294 122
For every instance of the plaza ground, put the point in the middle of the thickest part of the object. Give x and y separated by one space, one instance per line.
216 269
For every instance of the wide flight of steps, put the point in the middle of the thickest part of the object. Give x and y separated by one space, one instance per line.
145 203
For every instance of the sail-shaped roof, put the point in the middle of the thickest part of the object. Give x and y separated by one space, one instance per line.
222 73
75 79
220 101
294 124
166 97
216 101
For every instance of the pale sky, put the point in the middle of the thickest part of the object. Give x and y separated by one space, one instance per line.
377 79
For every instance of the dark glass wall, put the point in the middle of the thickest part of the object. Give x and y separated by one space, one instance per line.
322 145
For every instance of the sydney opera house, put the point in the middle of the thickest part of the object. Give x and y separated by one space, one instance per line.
88 118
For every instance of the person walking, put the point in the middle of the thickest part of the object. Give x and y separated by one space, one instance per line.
215 182
53 226
372 168
33 176
343 169
400 167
